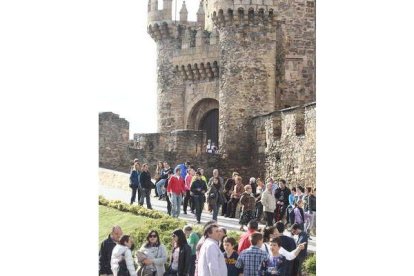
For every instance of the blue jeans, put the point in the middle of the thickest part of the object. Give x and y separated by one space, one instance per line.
175 204
215 211
158 186
198 202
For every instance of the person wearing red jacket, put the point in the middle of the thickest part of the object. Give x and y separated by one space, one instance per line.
244 242
176 190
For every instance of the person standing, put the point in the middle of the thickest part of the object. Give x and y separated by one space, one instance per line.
235 196
158 170
258 195
290 215
211 261
198 189
287 243
248 203
192 240
299 214
122 257
278 257
302 239
160 185
183 168
146 185
269 204
175 192
188 180
216 175
105 252
244 242
156 253
134 181
253 259
282 200
181 255
310 226
228 189
214 197
231 256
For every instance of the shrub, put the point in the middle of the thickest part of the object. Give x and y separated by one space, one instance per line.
309 265
135 209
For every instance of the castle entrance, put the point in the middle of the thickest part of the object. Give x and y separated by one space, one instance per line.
209 123
204 115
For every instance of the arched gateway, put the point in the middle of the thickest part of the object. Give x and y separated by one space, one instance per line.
205 116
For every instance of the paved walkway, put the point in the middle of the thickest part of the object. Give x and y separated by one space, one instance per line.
229 223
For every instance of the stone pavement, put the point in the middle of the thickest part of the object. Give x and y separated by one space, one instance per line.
229 223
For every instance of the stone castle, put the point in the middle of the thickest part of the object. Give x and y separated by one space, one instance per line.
243 76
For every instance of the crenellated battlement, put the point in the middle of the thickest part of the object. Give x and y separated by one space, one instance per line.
198 71
242 17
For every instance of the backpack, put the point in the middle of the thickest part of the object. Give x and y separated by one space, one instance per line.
123 270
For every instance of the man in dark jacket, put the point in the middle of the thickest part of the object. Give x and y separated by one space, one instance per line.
146 185
287 243
282 200
198 189
105 252
302 238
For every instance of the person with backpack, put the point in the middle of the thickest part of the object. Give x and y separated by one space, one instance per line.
122 263
214 197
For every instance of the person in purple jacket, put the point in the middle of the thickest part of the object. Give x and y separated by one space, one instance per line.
299 214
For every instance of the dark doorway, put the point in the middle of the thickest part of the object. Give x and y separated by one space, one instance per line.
209 123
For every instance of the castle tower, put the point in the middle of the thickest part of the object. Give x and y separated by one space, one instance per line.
183 13
201 15
247 78
170 88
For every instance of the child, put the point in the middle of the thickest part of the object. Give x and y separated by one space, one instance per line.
248 202
230 255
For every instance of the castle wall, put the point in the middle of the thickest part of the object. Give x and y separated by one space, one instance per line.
113 141
285 146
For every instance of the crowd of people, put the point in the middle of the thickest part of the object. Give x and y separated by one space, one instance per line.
186 186
258 252
265 251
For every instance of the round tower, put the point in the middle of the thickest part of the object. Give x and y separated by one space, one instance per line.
170 89
247 72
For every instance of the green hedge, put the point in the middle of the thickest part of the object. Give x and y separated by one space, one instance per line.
309 265
136 209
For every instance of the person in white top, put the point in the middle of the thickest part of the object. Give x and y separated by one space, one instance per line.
211 261
121 252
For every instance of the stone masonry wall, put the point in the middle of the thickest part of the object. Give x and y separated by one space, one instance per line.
285 145
113 141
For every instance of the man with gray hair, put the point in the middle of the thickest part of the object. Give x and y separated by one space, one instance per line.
105 252
221 180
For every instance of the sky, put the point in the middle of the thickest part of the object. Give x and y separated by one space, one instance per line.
131 60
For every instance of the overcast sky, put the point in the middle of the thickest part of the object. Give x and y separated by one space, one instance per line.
131 59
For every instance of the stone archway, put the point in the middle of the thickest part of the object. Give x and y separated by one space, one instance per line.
204 116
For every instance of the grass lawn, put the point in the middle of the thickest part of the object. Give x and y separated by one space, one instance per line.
110 216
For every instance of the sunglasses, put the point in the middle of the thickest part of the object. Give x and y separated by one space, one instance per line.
152 236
